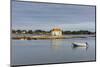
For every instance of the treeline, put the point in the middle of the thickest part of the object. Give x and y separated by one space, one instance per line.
78 32
30 32
49 32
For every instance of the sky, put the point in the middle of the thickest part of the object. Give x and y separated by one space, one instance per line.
44 16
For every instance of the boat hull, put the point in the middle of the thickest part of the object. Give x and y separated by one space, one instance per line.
79 44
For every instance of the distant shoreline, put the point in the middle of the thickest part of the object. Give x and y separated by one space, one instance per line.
49 37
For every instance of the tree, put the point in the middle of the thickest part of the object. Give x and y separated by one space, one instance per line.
13 31
67 32
18 31
30 32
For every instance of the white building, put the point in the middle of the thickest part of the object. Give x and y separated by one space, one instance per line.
56 32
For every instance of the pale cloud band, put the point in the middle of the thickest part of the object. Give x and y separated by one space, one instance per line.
27 15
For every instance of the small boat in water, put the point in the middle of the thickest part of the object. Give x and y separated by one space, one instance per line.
77 44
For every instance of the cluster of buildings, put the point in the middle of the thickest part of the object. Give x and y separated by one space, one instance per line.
54 32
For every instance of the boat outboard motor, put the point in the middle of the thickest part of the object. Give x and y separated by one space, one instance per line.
86 44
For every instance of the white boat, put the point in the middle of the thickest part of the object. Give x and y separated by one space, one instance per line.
76 44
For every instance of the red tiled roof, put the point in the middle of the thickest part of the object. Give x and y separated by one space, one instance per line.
56 29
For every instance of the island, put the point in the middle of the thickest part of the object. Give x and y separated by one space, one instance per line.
55 33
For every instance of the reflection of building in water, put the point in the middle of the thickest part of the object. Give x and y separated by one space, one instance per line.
56 32
56 43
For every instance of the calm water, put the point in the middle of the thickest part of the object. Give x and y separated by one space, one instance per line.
51 51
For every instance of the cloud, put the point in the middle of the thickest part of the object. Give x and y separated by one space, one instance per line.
27 15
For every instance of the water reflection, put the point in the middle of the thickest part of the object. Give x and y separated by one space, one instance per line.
56 43
76 48
46 51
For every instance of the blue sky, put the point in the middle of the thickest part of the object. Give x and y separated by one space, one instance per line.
30 15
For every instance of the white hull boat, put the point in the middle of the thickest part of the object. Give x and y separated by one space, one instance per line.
76 44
